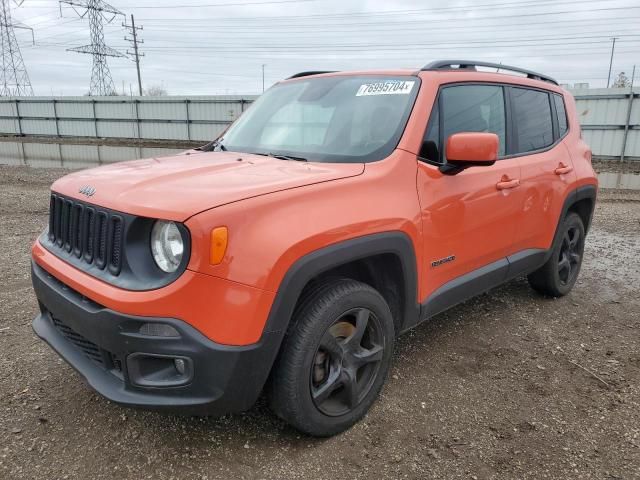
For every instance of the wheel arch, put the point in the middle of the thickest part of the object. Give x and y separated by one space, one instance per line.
362 255
583 204
582 201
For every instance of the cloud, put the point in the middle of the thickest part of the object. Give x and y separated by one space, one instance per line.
220 49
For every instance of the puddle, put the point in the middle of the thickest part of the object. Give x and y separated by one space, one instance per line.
54 155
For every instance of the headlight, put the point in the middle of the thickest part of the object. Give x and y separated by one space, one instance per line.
167 245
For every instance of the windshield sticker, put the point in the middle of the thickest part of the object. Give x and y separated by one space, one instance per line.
396 87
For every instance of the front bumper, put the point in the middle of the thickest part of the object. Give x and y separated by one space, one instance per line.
101 345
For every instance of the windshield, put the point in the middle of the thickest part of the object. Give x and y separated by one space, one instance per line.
330 119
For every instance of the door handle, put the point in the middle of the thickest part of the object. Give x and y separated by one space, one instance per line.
562 169
506 183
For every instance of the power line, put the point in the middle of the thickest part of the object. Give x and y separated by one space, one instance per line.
273 20
462 43
14 80
269 2
430 10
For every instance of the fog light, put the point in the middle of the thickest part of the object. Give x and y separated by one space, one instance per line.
159 371
181 367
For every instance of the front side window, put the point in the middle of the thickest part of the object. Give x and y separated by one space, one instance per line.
465 108
327 119
532 115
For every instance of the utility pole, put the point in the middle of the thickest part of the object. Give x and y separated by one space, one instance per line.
136 54
627 123
613 49
263 65
14 80
97 10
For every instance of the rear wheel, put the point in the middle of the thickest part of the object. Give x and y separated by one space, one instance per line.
334 360
558 276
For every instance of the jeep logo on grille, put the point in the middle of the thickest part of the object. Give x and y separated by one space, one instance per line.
87 190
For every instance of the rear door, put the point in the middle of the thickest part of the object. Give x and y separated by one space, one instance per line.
539 127
469 218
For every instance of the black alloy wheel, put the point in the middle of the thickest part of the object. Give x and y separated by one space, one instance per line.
334 359
560 272
570 255
346 362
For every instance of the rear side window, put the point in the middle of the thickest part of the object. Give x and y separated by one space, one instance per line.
563 125
532 116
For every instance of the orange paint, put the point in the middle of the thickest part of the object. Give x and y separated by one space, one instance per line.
473 147
275 212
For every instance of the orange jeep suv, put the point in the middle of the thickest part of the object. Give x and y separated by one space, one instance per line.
341 210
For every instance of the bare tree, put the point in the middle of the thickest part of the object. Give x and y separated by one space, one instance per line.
621 81
156 91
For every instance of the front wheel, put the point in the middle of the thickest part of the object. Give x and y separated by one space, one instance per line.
557 277
334 360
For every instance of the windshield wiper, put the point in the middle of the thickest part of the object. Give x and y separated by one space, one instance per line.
282 157
218 144
211 146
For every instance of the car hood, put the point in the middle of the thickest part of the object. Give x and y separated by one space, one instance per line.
177 187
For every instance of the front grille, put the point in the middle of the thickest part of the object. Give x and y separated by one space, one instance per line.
99 355
91 234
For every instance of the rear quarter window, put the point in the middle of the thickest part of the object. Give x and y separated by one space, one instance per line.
533 120
563 124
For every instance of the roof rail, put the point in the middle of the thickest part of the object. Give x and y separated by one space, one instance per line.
306 74
471 64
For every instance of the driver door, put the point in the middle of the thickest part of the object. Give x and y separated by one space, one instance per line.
468 218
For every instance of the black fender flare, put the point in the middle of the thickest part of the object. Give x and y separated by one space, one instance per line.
581 193
319 261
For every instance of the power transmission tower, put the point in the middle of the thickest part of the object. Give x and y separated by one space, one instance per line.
98 12
15 80
134 42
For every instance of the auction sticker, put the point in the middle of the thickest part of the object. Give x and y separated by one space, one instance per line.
394 87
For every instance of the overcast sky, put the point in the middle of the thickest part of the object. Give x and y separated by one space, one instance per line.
219 46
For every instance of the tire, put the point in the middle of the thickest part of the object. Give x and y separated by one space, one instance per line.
334 360
558 275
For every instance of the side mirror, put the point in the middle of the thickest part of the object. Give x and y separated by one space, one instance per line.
468 149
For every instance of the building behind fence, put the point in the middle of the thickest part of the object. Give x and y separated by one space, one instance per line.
610 118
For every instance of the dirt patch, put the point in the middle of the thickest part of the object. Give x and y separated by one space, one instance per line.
616 166
508 385
111 142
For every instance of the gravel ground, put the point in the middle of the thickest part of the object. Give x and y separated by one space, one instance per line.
508 385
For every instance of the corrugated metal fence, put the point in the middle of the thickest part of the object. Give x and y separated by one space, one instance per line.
610 118
167 118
